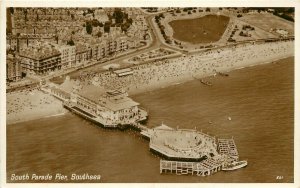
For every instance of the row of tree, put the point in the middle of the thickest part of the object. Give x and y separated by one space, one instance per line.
162 28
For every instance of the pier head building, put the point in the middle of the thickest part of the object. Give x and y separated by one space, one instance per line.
108 108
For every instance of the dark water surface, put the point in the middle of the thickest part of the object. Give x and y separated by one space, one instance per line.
259 100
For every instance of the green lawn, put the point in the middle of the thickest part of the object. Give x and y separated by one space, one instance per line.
206 29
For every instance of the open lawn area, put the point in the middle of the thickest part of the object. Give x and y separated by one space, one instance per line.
268 21
206 29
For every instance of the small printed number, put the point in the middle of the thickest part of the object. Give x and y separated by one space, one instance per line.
279 177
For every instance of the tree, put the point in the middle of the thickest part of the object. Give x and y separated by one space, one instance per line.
125 26
118 15
157 18
129 21
207 9
107 27
89 28
99 34
95 23
71 42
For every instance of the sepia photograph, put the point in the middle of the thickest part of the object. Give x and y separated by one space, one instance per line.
150 95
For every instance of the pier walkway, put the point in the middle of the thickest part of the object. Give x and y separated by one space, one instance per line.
139 126
204 168
228 147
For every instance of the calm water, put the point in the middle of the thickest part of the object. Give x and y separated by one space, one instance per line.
260 101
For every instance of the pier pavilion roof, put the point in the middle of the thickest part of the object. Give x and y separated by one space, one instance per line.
182 143
120 104
91 92
112 100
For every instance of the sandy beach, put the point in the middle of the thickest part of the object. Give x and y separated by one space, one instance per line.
158 74
25 106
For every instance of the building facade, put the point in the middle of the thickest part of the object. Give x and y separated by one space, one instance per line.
115 107
13 68
68 55
40 60
83 55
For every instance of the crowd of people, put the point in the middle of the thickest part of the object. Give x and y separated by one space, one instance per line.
26 105
194 65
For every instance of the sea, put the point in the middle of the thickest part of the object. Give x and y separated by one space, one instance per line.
253 105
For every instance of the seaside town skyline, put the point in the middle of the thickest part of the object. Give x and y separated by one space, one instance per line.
97 62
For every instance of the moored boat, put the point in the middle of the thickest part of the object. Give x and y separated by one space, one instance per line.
206 82
235 165
223 74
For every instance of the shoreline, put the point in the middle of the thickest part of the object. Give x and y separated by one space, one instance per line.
134 91
173 82
38 118
26 106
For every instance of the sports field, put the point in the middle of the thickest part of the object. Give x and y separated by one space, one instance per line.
269 21
206 29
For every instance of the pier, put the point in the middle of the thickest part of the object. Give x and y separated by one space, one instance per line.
182 151
139 126
204 168
228 147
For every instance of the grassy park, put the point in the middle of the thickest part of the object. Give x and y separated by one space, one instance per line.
206 29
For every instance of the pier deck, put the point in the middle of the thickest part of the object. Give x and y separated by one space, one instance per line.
228 147
203 168
139 126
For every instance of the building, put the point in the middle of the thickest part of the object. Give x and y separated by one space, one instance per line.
110 107
20 41
108 45
13 68
68 54
40 59
83 55
63 91
98 49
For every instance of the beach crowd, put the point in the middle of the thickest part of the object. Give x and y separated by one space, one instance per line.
194 66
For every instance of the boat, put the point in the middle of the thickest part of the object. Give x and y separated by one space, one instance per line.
223 74
206 82
235 165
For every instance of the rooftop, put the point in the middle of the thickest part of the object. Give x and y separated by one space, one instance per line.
81 48
39 52
91 92
114 100
120 104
